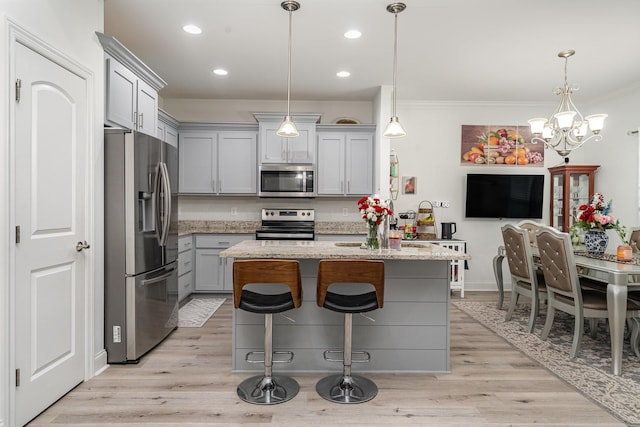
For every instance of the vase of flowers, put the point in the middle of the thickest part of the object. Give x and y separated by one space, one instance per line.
374 211
595 218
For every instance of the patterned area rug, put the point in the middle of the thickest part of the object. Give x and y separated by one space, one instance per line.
589 373
197 311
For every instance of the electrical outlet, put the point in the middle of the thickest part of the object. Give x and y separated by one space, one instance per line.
345 211
234 211
117 335
437 204
446 204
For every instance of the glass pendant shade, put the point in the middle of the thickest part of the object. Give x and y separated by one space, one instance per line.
394 129
287 128
537 125
565 119
596 122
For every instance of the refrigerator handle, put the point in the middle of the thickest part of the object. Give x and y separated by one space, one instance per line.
157 279
158 185
166 221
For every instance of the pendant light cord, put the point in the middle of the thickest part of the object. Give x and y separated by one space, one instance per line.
395 60
289 69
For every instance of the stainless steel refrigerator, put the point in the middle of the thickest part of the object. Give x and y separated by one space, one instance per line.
141 243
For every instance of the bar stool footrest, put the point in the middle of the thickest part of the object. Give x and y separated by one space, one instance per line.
365 359
248 356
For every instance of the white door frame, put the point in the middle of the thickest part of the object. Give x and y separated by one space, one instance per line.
17 34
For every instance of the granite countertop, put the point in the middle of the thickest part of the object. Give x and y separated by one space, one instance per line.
337 250
249 227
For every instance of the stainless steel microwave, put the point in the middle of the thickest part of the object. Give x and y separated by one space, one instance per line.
287 180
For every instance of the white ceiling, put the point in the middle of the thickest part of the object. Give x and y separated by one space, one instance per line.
464 50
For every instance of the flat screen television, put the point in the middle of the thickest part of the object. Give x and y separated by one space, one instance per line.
504 196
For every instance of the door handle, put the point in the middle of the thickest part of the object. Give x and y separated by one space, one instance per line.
82 245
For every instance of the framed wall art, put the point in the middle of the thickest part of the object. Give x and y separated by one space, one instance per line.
409 184
504 146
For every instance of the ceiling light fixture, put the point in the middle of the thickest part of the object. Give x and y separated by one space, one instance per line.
343 74
287 128
192 29
353 34
566 129
220 72
394 128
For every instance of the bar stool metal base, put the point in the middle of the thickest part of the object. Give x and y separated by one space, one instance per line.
262 390
347 389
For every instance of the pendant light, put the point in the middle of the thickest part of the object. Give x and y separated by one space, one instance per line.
394 128
287 128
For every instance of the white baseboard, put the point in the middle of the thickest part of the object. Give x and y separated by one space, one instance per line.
99 363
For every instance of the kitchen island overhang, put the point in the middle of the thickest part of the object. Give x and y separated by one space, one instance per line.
409 334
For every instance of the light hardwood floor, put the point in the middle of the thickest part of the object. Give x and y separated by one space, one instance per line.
187 381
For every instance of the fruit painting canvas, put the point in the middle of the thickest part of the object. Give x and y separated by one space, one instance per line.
499 146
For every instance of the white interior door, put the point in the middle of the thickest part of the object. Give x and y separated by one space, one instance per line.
51 137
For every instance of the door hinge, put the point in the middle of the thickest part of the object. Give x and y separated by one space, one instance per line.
18 377
17 234
18 86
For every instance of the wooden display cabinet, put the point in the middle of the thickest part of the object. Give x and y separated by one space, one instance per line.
571 186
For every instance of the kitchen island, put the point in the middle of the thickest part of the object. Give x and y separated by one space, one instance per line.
409 334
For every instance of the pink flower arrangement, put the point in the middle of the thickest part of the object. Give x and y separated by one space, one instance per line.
598 216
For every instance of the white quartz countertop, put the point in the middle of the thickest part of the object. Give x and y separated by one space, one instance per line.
314 249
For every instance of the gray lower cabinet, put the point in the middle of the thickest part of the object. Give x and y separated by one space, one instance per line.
345 163
212 273
185 266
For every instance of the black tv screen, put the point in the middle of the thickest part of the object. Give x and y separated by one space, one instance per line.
504 196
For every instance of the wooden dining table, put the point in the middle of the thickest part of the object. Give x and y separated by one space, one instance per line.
619 277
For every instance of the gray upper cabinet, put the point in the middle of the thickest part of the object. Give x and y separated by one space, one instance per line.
276 149
131 92
218 161
167 128
345 160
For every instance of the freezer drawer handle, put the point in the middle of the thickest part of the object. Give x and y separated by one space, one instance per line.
82 245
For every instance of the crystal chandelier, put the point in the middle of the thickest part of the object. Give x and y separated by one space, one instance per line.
288 128
394 129
566 129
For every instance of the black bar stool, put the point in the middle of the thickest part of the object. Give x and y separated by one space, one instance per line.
267 389
347 388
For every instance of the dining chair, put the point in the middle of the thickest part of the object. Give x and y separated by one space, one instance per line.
526 279
532 227
568 292
634 239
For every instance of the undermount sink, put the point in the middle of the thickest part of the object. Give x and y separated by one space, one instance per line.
348 244
357 245
413 245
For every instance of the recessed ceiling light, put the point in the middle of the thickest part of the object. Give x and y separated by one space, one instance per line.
343 74
192 29
220 72
353 34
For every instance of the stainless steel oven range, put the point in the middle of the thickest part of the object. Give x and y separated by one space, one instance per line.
287 224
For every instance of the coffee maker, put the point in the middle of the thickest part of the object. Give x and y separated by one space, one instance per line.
448 230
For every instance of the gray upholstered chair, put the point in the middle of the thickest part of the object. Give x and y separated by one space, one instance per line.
525 278
566 291
634 239
532 227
